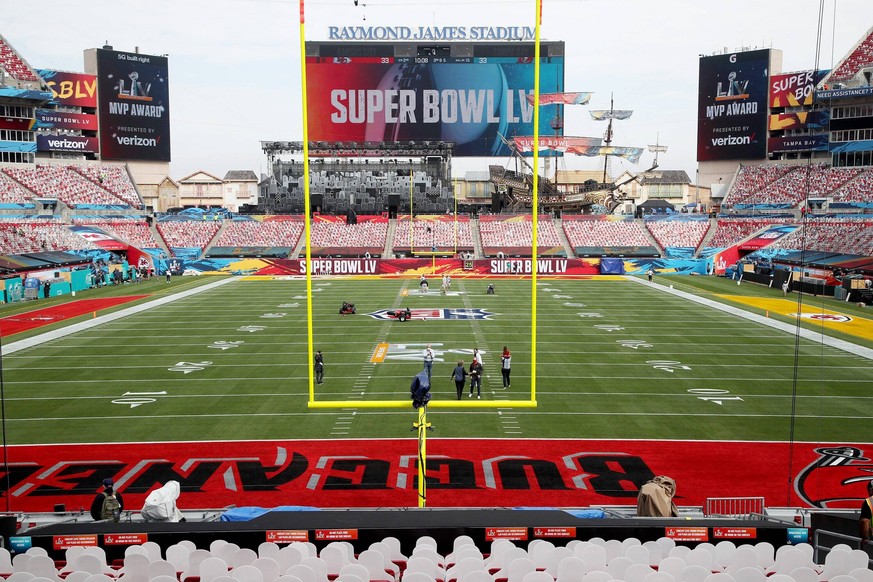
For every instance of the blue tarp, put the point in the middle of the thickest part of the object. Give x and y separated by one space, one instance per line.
587 513
611 266
249 513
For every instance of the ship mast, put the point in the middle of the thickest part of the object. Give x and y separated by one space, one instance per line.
609 115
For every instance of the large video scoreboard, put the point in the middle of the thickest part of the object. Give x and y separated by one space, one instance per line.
469 94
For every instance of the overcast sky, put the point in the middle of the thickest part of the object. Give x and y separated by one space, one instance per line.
235 64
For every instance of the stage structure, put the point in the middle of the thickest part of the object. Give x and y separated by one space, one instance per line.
360 177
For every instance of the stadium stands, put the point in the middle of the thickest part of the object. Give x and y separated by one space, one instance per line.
831 234
63 183
113 178
678 233
260 233
858 189
131 230
593 230
39 235
750 180
862 55
514 234
730 231
369 234
14 64
188 233
440 231
11 192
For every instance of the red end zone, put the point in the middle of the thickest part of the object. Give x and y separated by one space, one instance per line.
460 472
40 317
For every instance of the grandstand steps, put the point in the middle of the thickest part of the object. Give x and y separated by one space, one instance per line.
565 242
649 235
156 234
713 222
214 238
389 238
477 238
301 245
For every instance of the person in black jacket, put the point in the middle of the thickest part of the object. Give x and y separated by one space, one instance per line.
97 504
319 367
459 375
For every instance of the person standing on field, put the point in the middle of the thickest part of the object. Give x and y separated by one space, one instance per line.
505 363
459 375
319 367
428 360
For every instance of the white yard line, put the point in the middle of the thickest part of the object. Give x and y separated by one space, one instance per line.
788 328
85 325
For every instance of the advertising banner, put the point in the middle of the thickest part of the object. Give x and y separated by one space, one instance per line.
47 119
134 106
67 143
732 106
794 89
98 237
799 120
798 143
767 237
470 102
16 123
17 146
71 89
460 472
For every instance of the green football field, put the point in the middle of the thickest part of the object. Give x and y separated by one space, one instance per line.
614 359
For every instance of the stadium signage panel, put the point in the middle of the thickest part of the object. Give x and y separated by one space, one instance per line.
133 93
17 146
71 89
798 143
488 33
340 267
422 99
48 118
794 89
732 106
841 93
799 120
16 123
525 266
67 143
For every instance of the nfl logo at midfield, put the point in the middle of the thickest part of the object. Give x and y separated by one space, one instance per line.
439 313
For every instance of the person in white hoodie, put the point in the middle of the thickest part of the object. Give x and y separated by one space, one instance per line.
160 505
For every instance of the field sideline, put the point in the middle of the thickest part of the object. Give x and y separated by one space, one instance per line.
618 361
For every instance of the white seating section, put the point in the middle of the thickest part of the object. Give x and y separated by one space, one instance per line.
791 184
429 231
188 233
130 230
113 178
594 232
256 233
517 231
678 233
39 235
595 560
730 231
370 234
13 64
64 183
833 235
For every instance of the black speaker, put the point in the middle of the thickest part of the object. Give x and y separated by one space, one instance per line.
496 202
393 200
316 201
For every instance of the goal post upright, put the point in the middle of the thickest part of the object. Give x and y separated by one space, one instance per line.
306 205
535 199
